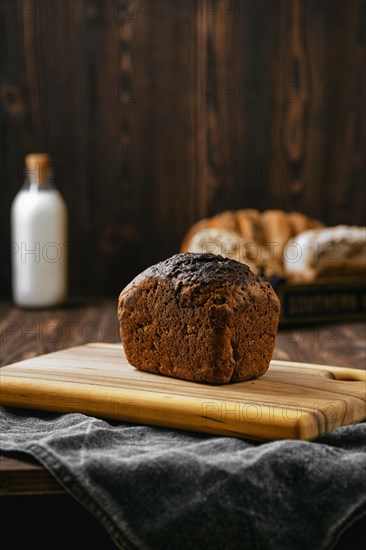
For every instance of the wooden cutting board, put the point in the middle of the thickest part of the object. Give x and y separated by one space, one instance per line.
292 400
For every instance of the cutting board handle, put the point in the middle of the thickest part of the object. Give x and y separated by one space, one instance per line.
339 373
351 375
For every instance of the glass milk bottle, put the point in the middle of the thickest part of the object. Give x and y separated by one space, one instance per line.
38 235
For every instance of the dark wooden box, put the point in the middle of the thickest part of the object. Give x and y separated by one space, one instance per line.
321 301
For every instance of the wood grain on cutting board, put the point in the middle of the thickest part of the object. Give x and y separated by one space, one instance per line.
292 400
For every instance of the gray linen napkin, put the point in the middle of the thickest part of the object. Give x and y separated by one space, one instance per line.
155 488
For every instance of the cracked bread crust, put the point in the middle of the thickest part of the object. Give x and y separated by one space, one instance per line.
199 317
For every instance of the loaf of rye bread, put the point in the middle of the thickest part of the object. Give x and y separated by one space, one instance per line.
199 317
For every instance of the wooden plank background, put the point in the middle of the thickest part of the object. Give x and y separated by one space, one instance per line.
158 113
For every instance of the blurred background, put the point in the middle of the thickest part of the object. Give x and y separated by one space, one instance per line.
157 113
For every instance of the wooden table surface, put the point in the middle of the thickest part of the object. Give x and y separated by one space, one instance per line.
27 333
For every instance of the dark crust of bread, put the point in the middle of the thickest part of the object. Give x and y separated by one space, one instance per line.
199 317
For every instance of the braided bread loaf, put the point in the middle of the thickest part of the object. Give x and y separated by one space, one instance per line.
249 236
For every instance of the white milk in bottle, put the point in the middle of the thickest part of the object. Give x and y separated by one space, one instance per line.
39 238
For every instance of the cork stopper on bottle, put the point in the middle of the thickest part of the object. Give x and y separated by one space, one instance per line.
38 167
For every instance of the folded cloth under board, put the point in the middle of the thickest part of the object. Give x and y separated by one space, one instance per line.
155 488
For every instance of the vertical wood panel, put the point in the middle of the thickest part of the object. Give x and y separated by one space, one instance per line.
298 148
314 136
162 151
346 176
